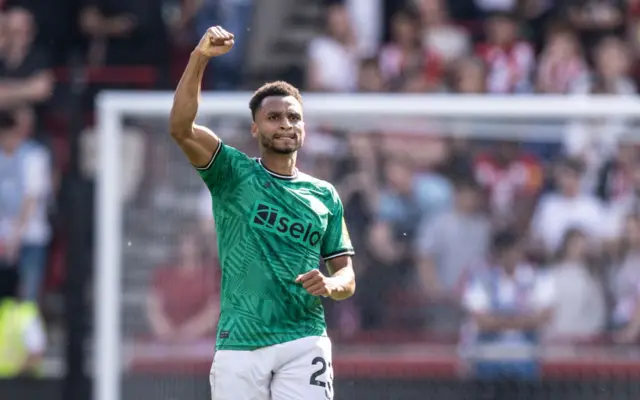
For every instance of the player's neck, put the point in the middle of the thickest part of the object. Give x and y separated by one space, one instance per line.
282 164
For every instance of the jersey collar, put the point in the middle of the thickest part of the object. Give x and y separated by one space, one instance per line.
277 175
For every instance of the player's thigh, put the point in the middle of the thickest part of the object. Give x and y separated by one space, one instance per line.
308 375
240 375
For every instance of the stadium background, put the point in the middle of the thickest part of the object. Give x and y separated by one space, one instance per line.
399 337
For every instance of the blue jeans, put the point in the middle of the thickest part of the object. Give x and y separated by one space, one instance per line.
32 262
496 370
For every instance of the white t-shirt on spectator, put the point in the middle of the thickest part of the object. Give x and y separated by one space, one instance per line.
336 65
27 175
580 308
448 42
439 238
38 185
366 16
477 297
556 214
617 212
35 338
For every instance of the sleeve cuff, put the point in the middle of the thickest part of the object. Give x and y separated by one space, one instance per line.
213 158
339 253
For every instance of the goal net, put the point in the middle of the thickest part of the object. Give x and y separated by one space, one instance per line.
400 163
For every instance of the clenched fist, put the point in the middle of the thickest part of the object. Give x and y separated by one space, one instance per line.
316 283
215 42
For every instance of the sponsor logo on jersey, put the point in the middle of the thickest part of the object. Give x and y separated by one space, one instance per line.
272 219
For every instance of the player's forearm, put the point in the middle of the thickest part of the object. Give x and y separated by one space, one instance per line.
343 284
187 97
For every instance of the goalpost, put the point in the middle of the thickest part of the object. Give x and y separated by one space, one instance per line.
363 111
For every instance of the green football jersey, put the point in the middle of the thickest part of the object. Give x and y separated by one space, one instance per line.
271 228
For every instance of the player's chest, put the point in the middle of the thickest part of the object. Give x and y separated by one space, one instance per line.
286 211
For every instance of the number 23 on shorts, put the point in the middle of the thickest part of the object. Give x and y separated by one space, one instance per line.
324 367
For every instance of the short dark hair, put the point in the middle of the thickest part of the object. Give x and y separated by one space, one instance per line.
504 240
7 120
466 183
572 164
277 88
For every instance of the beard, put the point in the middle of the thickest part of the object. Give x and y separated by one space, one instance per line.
278 147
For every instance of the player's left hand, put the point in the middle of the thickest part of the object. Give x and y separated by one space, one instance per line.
315 283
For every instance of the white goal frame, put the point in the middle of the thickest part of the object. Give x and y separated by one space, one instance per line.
113 106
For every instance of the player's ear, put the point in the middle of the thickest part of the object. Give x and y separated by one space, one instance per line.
254 129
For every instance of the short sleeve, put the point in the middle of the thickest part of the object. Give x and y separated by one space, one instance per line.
427 243
222 171
336 241
34 337
37 173
544 293
475 298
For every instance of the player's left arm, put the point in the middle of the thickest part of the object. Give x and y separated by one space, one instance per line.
337 252
339 286
342 282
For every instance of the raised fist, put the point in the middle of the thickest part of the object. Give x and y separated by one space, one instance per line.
215 42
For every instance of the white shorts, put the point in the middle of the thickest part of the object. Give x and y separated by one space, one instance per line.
296 370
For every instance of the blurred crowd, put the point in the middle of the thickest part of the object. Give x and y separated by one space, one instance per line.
429 214
499 47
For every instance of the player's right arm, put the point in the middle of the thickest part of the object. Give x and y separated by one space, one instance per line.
197 142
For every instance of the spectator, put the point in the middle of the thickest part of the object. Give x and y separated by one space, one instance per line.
445 40
512 178
333 59
633 25
25 77
626 284
580 308
561 63
627 204
611 76
405 64
370 77
596 18
539 15
508 302
22 336
615 177
123 32
399 212
441 262
510 60
25 189
596 143
567 207
402 202
183 303
469 76
367 19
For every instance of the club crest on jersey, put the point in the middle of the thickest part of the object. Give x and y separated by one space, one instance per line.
270 218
